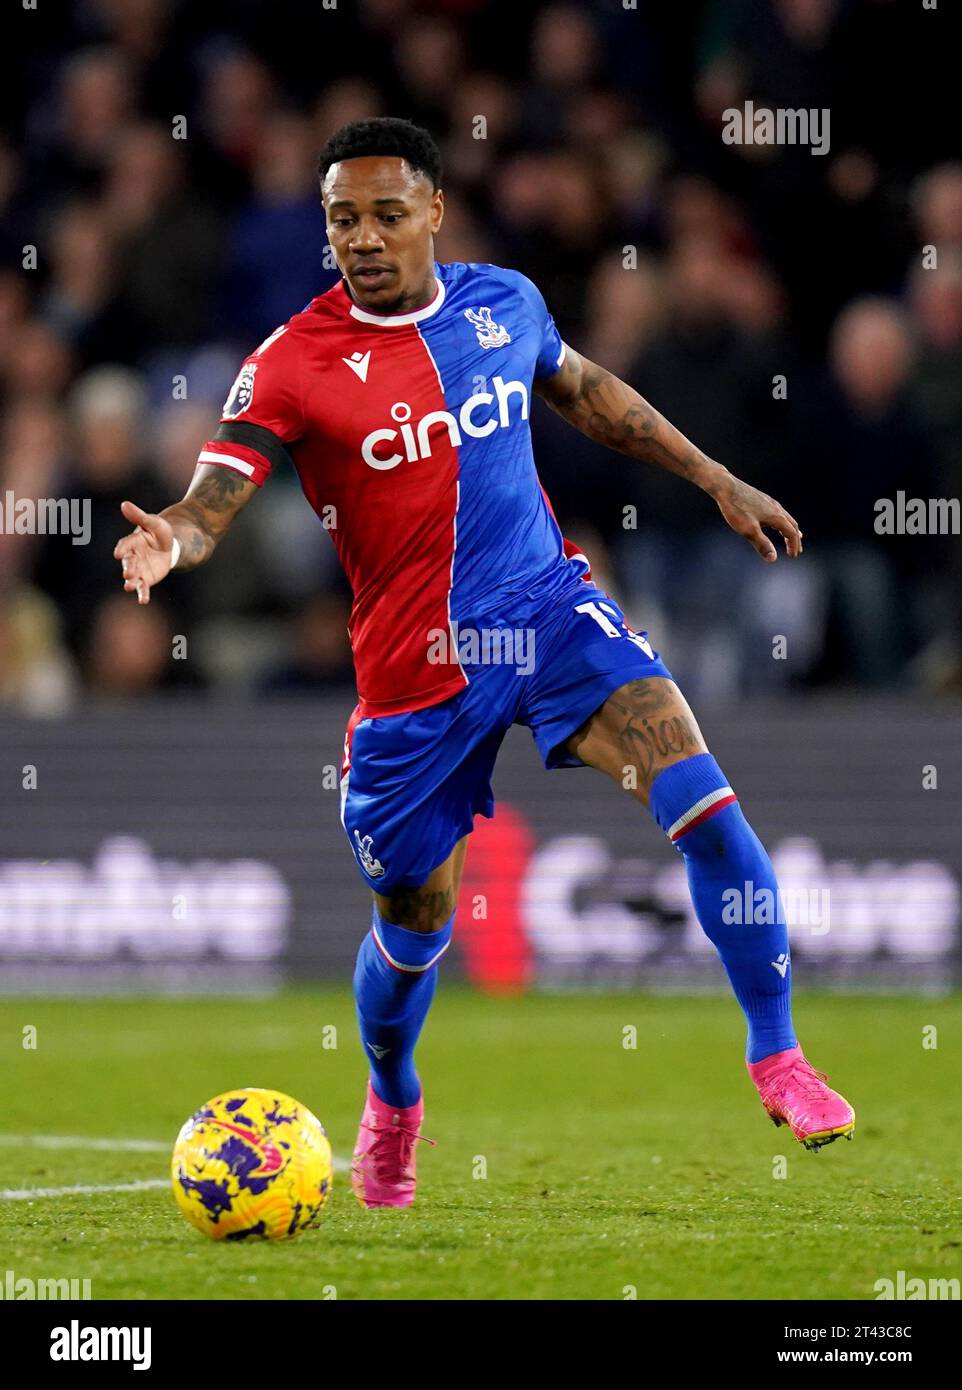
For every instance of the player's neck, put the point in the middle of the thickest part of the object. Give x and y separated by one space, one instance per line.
408 303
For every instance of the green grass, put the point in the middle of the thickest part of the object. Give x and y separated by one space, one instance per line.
606 1167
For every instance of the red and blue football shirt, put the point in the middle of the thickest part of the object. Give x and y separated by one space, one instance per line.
410 436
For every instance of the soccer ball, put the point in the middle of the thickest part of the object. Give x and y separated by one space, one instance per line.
252 1163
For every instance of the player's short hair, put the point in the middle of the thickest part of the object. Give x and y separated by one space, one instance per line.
384 135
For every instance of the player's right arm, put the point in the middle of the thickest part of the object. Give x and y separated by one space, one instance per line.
215 497
261 417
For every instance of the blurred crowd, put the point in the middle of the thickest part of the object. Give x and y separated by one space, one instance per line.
777 305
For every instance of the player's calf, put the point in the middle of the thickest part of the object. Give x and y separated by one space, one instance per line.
737 901
646 726
394 983
729 875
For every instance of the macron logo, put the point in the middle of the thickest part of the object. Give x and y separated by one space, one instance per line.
358 363
781 964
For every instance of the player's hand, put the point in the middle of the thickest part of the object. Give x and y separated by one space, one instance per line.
145 555
747 510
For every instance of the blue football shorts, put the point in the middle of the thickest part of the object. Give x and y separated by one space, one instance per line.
412 783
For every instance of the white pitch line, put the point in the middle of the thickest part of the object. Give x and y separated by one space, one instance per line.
27 1194
78 1141
74 1141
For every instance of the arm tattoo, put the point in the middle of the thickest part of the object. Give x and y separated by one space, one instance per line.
612 413
205 513
219 491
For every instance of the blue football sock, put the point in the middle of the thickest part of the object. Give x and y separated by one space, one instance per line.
735 894
394 982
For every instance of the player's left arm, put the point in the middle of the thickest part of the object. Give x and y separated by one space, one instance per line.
611 412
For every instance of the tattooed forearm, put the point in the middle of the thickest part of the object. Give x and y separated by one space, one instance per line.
609 411
213 500
196 542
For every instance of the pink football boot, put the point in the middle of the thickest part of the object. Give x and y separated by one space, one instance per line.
383 1170
794 1093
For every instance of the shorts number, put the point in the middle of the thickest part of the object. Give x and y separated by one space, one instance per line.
608 627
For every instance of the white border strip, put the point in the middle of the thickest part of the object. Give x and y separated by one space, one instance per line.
694 811
401 320
399 965
457 507
208 456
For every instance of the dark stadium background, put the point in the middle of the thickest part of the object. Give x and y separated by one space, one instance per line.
697 270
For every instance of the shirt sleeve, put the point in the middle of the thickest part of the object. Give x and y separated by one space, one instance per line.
551 349
262 413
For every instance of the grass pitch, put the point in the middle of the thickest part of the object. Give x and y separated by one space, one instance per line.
610 1171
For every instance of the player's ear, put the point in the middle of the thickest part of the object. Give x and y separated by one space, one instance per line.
437 210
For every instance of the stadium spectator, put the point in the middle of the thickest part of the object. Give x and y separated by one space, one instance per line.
321 653
36 674
276 240
127 653
857 440
171 242
105 466
160 161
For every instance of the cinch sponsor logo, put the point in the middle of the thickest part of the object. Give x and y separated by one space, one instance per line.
13 1289
76 1343
415 437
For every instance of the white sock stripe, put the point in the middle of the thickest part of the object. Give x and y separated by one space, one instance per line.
694 811
399 965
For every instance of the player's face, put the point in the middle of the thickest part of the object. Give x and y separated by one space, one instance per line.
381 221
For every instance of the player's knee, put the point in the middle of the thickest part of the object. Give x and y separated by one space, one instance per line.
642 730
424 909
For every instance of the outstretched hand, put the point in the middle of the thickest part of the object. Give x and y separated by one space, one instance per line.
747 511
146 554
